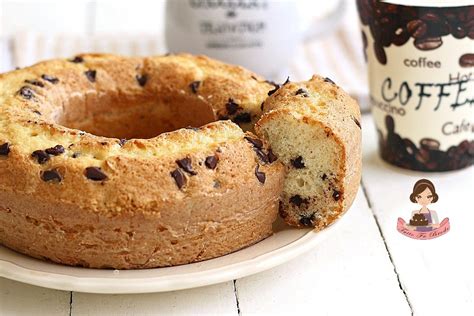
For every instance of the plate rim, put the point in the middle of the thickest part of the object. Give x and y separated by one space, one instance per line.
101 285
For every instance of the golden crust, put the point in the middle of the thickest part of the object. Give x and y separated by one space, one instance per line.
132 212
323 108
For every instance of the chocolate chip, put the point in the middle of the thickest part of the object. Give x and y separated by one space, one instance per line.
55 151
298 162
178 177
263 157
297 200
287 80
49 78
243 117
231 106
35 82
51 175
271 156
356 121
77 59
192 128
307 220
141 79
186 165
274 90
254 141
260 175
195 86
4 149
41 156
327 79
303 92
75 155
324 176
211 162
26 92
122 141
95 174
336 195
91 75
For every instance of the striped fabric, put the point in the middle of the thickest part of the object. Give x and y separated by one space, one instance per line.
337 55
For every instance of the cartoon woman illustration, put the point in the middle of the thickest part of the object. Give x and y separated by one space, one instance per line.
424 223
424 219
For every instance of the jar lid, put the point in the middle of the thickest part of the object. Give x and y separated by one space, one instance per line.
431 3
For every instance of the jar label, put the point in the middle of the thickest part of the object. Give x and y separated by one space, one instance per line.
421 76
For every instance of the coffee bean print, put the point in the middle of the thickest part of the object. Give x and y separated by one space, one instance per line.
194 86
429 43
417 28
427 156
466 60
50 79
260 175
396 24
35 82
186 165
41 156
52 175
4 149
178 177
91 75
211 162
380 53
55 151
298 162
141 79
95 174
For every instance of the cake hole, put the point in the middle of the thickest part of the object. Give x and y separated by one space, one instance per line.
127 115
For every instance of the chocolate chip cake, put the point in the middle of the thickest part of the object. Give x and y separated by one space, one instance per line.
86 181
418 220
314 129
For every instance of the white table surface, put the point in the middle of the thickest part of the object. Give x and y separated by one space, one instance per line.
365 268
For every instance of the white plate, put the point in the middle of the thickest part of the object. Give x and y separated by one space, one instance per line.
285 244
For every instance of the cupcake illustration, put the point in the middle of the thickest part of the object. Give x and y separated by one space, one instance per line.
424 222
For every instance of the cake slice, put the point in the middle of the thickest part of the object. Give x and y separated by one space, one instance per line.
314 129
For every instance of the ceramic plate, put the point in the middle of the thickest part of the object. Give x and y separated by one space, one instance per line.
285 244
